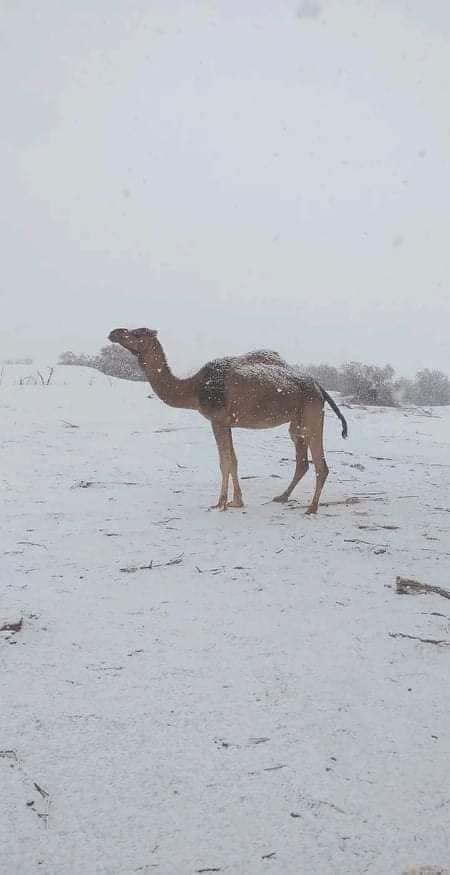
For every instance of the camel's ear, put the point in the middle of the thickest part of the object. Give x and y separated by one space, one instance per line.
144 332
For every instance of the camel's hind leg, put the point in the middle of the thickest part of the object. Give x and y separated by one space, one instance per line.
228 467
314 418
297 433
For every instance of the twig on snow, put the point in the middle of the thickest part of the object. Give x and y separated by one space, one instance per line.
14 626
367 543
32 544
130 569
169 519
375 527
404 586
43 815
105 667
210 570
439 641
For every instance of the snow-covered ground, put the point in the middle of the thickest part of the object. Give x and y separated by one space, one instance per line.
244 709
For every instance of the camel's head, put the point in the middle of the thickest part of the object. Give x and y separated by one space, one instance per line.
137 341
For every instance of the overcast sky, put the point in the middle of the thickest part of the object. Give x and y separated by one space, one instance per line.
236 174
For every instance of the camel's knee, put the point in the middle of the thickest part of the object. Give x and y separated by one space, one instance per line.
322 470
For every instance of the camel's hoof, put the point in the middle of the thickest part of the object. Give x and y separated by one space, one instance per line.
221 505
281 499
235 503
310 511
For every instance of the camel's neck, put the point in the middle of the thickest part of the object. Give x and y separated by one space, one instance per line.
171 390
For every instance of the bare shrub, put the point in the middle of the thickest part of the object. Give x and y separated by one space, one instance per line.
360 383
327 376
115 361
368 384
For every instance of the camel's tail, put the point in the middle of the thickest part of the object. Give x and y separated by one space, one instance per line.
338 413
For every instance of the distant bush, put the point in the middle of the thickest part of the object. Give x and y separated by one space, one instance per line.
360 383
115 361
72 358
403 391
118 362
431 388
327 376
20 361
374 385
368 384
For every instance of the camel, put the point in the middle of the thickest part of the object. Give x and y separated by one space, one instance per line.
256 390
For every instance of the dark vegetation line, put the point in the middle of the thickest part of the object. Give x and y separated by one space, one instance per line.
362 384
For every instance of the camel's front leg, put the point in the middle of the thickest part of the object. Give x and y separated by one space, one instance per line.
228 467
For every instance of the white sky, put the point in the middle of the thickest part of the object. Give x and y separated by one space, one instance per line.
236 174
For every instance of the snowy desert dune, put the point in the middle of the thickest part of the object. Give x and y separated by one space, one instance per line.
187 691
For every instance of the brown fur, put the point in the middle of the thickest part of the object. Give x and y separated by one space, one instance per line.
256 390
